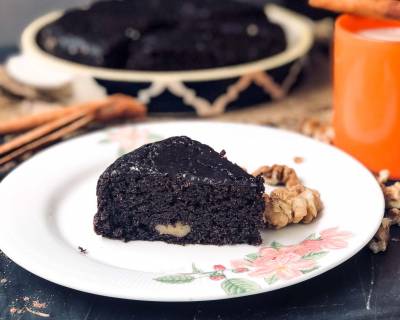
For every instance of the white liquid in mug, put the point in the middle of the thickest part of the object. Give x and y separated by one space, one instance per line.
384 34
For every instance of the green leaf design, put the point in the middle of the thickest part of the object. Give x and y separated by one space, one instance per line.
235 286
315 255
276 245
272 279
195 269
309 270
176 279
312 236
251 256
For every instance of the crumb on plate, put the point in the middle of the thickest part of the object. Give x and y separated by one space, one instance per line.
298 160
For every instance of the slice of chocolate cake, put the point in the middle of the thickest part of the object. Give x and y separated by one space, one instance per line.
179 191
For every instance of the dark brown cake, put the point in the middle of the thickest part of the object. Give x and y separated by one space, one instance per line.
180 191
163 35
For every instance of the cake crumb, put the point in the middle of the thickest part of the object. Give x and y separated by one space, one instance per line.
39 305
25 298
3 281
298 160
82 250
13 310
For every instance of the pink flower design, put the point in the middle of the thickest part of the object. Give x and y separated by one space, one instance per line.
288 262
219 267
311 245
240 263
301 250
276 262
285 266
334 239
129 138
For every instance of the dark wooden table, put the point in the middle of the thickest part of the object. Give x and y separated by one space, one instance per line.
365 287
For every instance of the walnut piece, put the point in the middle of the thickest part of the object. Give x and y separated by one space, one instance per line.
381 239
178 229
317 129
278 175
293 204
392 196
383 176
394 215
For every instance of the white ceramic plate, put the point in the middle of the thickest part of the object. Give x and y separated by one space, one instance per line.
47 206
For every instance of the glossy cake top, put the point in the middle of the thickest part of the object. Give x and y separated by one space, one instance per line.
182 157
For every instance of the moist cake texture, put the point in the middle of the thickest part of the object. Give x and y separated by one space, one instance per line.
180 191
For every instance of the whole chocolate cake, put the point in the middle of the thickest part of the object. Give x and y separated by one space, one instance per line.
159 35
179 191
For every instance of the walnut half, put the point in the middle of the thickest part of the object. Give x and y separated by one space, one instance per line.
381 239
291 205
178 229
278 175
392 196
314 128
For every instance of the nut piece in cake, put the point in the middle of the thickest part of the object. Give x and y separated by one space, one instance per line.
178 229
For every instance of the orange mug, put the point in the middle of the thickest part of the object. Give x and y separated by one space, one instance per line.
366 97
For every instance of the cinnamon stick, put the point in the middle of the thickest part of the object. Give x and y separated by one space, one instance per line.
32 121
371 8
40 131
72 127
133 108
76 117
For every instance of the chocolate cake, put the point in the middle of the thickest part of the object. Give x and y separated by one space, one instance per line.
159 35
179 191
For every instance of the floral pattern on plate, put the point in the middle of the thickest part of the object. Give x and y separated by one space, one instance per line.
273 263
129 138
